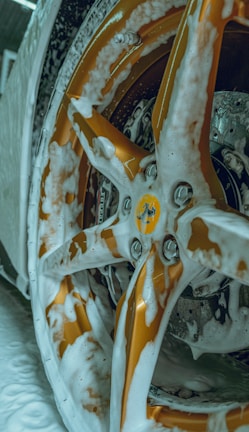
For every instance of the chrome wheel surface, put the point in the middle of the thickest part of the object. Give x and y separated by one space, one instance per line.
138 220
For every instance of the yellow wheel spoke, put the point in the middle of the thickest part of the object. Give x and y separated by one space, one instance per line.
104 144
142 318
217 239
96 246
181 117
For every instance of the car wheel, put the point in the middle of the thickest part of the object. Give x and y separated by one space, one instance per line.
137 221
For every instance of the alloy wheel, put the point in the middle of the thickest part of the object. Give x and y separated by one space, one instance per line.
128 210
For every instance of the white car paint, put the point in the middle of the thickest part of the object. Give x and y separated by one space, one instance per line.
16 113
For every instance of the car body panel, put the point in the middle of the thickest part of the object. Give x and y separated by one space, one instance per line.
16 112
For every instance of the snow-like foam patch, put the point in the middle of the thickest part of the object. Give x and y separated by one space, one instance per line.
26 400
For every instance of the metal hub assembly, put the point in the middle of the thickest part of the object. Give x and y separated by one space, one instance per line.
205 301
142 228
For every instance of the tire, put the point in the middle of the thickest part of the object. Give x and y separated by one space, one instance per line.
137 250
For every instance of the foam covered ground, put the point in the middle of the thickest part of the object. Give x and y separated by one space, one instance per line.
26 400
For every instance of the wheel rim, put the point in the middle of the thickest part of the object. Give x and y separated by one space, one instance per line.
167 243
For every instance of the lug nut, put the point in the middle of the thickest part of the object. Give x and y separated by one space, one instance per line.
151 171
127 205
183 194
170 249
128 38
136 249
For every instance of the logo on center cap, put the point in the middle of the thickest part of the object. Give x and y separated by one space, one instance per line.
147 214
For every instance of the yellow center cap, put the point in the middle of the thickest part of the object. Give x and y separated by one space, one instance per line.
147 214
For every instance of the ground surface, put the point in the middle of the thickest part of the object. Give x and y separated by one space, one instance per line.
26 401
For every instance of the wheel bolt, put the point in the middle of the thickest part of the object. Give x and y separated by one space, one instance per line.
170 249
183 194
151 171
129 38
136 249
127 205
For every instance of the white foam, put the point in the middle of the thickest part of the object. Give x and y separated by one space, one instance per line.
26 400
244 428
227 9
149 293
217 422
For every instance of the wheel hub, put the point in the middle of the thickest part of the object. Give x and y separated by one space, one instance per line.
207 297
147 213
